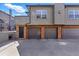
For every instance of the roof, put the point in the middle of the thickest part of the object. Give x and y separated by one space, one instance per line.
21 16
51 4
40 4
72 5
5 13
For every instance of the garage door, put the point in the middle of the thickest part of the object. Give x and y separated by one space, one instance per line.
50 33
21 32
34 33
70 33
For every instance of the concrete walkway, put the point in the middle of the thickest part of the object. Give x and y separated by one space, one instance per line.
50 47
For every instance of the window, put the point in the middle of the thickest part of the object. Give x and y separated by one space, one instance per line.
73 14
41 14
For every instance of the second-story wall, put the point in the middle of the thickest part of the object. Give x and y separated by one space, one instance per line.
68 19
21 20
59 13
49 16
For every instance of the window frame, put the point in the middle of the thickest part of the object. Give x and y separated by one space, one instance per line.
41 14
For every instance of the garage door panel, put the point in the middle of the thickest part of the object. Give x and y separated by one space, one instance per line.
71 34
50 33
34 33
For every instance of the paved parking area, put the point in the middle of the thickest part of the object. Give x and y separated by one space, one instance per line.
49 47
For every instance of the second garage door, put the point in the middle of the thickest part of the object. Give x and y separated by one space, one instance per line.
70 34
50 33
34 33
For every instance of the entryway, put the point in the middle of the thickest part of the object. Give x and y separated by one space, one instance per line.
21 32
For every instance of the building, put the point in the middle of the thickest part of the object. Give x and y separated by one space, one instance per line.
6 20
48 21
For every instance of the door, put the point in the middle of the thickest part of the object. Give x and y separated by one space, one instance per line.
21 32
34 33
70 33
50 33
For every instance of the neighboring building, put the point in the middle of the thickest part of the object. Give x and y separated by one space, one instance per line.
48 21
6 20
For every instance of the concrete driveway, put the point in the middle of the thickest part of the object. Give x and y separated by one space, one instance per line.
49 47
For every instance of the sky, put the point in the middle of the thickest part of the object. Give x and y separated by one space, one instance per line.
16 8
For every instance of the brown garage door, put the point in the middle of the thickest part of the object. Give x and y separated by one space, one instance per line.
70 34
50 33
34 33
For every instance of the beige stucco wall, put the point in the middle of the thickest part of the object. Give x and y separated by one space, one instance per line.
68 21
59 13
35 21
21 20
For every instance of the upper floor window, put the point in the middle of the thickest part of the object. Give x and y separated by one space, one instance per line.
41 14
73 14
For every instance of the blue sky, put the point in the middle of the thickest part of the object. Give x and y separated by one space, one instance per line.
17 8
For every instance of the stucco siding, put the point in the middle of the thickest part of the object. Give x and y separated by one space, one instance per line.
21 20
48 20
59 13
